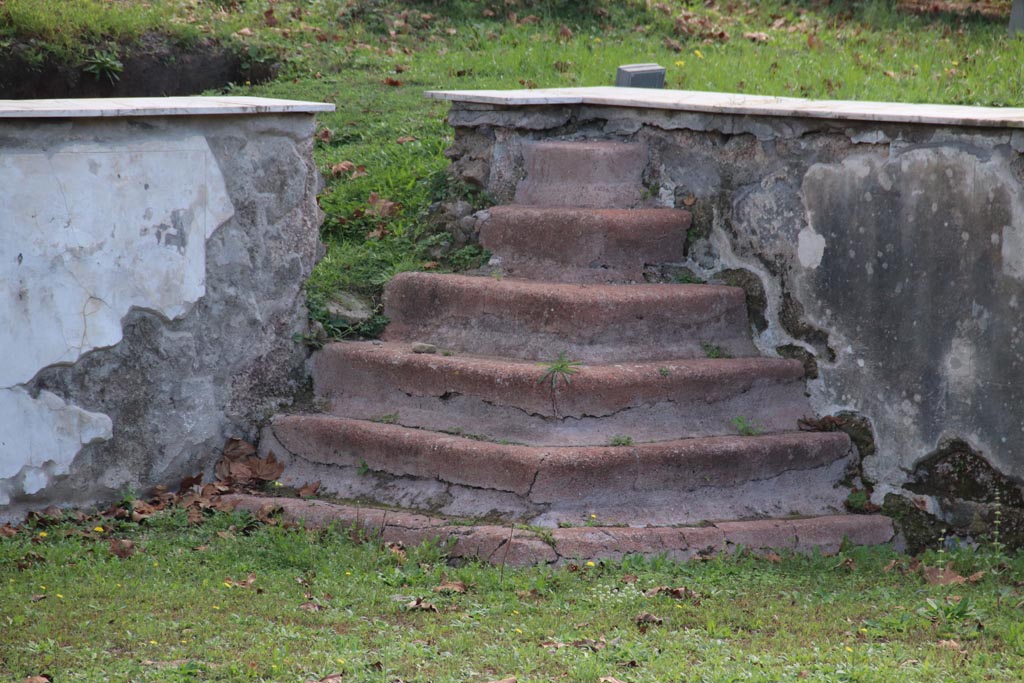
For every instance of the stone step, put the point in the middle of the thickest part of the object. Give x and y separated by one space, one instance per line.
513 400
582 173
668 482
503 545
591 323
582 245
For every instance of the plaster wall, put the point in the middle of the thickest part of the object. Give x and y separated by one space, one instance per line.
150 286
889 254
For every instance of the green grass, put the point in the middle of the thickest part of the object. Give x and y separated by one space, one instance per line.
71 609
347 51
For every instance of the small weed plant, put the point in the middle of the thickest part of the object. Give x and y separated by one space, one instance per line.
560 370
712 351
745 427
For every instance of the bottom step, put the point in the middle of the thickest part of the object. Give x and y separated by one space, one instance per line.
519 547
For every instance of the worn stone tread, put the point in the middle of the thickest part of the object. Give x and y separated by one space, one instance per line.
582 173
546 475
507 399
505 545
588 322
568 244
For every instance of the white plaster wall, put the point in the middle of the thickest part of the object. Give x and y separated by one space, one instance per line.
88 231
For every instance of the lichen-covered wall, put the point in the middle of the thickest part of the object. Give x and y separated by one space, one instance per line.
151 286
889 256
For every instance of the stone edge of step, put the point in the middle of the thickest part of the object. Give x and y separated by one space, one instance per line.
500 545
540 473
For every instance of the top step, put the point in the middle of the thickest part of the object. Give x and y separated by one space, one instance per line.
585 174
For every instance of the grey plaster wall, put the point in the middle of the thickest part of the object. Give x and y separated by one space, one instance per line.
181 379
892 254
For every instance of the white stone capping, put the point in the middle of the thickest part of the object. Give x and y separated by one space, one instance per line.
745 105
154 106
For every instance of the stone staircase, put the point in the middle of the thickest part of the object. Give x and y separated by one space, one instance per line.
631 443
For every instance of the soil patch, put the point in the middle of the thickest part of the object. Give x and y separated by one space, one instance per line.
153 66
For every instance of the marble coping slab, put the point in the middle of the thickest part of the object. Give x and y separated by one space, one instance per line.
749 105
154 106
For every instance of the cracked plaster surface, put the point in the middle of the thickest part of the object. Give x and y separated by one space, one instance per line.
91 231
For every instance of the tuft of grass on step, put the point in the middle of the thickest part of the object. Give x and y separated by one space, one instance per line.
325 602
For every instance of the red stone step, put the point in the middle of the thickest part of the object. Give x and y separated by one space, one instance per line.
507 399
593 323
667 482
582 245
504 545
582 173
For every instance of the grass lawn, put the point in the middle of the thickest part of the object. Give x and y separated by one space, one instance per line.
234 600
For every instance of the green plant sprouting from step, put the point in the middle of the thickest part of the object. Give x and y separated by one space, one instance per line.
559 370
745 427
712 351
620 440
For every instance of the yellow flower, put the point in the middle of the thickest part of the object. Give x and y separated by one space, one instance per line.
152 642
591 564
98 529
849 649
699 54
519 630
43 534
593 516
215 606
340 660
60 596
680 62
156 564
597 40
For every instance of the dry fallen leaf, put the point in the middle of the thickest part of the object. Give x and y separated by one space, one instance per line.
419 604
329 678
647 618
325 135
393 82
406 138
506 680
245 583
122 548
311 607
239 448
772 556
942 576
382 207
609 679
679 593
338 170
757 37
451 587
43 678
309 489
564 32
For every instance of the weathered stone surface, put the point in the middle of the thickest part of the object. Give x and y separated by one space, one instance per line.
668 482
582 245
888 253
187 294
505 399
349 309
582 173
591 323
502 545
